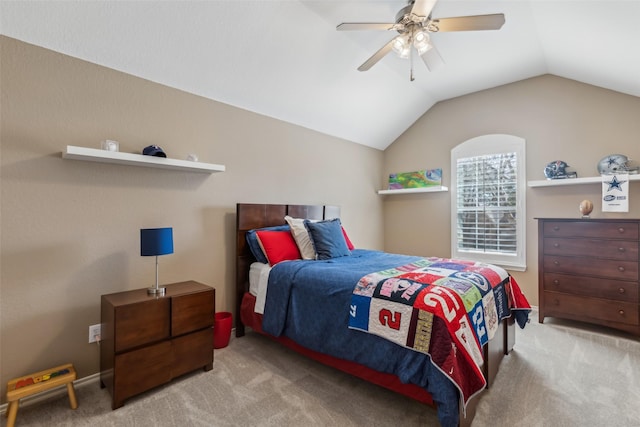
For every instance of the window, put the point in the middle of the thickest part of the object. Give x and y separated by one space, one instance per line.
488 201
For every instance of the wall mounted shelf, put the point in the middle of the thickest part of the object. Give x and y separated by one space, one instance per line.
573 181
104 156
434 189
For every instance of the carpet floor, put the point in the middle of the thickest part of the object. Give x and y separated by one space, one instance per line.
560 374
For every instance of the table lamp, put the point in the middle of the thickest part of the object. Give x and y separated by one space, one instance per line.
154 242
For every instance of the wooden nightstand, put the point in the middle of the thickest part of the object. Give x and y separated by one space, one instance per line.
148 340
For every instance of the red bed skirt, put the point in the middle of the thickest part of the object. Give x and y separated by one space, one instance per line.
389 381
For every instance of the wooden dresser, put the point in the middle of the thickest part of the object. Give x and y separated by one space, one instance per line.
588 271
148 340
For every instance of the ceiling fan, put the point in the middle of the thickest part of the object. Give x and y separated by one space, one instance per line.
414 23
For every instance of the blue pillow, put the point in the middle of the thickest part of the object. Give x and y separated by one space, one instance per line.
254 246
327 238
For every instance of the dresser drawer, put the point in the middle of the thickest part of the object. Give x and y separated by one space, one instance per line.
613 249
142 323
592 287
192 312
613 269
139 370
558 304
192 350
588 228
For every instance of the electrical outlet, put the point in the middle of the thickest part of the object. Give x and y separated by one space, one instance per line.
94 333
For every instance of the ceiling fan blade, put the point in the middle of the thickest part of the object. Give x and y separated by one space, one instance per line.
362 26
432 59
471 23
422 8
377 56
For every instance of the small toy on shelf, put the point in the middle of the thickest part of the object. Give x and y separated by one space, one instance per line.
557 169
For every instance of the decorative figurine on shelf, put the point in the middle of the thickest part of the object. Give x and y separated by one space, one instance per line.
153 150
558 170
586 206
615 163
110 145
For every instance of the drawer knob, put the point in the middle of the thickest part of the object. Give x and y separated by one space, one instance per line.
556 302
556 262
621 269
621 290
556 228
556 282
621 230
556 245
621 312
621 249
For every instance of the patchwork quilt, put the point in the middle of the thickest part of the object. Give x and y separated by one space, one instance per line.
442 307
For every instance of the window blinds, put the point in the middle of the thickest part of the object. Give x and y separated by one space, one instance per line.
486 203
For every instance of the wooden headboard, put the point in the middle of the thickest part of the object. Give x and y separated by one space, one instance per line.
250 216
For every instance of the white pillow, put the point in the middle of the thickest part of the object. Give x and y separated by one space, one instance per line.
301 236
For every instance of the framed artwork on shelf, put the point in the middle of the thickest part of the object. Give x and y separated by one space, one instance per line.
418 179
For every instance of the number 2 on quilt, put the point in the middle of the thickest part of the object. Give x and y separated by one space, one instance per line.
390 319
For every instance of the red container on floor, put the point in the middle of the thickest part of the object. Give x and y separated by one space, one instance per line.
222 329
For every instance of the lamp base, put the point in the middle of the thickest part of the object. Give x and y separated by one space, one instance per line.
156 291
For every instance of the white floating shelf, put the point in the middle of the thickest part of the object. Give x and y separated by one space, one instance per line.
573 181
104 156
433 189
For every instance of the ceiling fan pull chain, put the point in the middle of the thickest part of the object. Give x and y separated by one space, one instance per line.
411 54
411 78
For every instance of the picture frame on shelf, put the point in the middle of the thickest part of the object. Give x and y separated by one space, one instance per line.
418 179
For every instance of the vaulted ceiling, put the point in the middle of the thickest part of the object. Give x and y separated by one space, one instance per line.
285 59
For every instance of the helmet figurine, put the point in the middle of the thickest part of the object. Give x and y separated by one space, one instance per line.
558 170
615 163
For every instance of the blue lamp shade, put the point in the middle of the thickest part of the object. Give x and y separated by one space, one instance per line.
156 241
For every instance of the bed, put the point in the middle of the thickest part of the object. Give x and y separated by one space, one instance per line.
341 343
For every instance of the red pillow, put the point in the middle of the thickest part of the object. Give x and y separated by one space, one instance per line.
278 246
346 239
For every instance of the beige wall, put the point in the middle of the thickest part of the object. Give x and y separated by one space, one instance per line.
560 119
70 229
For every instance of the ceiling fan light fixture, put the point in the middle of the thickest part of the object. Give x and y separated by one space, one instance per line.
414 24
401 46
421 41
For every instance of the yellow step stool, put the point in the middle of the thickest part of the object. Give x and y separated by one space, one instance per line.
35 383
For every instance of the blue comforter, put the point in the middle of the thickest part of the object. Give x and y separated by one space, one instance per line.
308 301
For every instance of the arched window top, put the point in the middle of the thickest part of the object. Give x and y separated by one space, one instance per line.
488 144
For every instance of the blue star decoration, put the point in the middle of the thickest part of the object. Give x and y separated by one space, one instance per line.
612 161
614 184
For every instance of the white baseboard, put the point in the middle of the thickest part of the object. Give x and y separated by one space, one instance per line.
54 392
